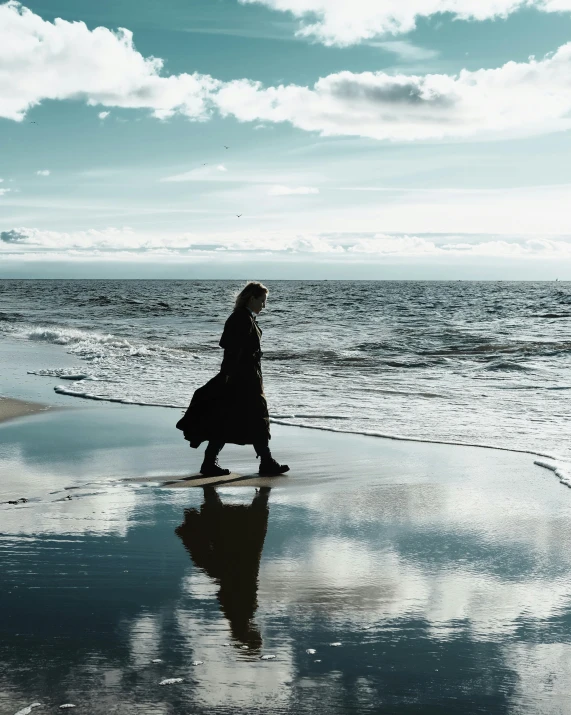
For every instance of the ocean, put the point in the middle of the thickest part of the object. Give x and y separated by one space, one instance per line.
479 363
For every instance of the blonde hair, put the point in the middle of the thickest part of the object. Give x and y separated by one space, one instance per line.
252 289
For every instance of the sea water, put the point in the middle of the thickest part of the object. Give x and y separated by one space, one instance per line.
480 363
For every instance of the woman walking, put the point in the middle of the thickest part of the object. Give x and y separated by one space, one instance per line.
232 406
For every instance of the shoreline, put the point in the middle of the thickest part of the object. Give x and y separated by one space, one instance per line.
117 442
108 401
23 362
28 394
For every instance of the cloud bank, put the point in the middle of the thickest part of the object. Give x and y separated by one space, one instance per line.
64 60
515 99
115 243
342 23
280 190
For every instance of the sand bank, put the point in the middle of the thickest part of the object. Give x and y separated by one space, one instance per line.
10 408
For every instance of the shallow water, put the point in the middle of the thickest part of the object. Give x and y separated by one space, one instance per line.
467 362
439 582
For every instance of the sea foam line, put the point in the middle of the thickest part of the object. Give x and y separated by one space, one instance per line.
61 390
563 476
401 438
365 433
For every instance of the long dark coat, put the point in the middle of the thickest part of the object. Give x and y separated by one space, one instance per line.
232 406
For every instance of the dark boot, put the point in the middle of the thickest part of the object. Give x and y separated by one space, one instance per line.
270 468
211 468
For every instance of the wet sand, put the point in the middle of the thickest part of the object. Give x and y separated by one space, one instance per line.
382 576
10 408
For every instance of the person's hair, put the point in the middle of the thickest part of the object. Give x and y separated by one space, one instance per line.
251 290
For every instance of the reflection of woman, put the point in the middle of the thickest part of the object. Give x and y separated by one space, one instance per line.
226 541
232 406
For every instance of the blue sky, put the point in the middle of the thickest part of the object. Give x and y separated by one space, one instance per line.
371 139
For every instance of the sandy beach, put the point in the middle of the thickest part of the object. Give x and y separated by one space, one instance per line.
10 408
378 576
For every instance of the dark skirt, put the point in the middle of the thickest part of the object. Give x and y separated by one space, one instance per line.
234 411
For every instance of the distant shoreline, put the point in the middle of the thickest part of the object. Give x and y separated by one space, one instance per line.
284 280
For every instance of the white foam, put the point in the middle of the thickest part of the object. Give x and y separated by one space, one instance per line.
170 681
28 710
62 374
61 390
70 336
402 438
92 344
561 471
311 417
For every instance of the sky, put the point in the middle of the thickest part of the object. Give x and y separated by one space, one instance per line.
371 139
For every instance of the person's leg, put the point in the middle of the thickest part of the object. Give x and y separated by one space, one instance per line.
213 449
268 465
262 449
210 466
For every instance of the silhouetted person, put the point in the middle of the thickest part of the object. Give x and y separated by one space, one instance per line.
226 542
232 406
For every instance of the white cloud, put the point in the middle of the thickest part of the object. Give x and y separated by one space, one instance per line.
192 175
279 190
342 23
43 172
201 173
402 245
103 115
118 243
515 99
4 191
243 174
41 60
62 60
406 50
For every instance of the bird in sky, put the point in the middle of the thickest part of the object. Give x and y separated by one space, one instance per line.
226 147
205 164
238 215
33 122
